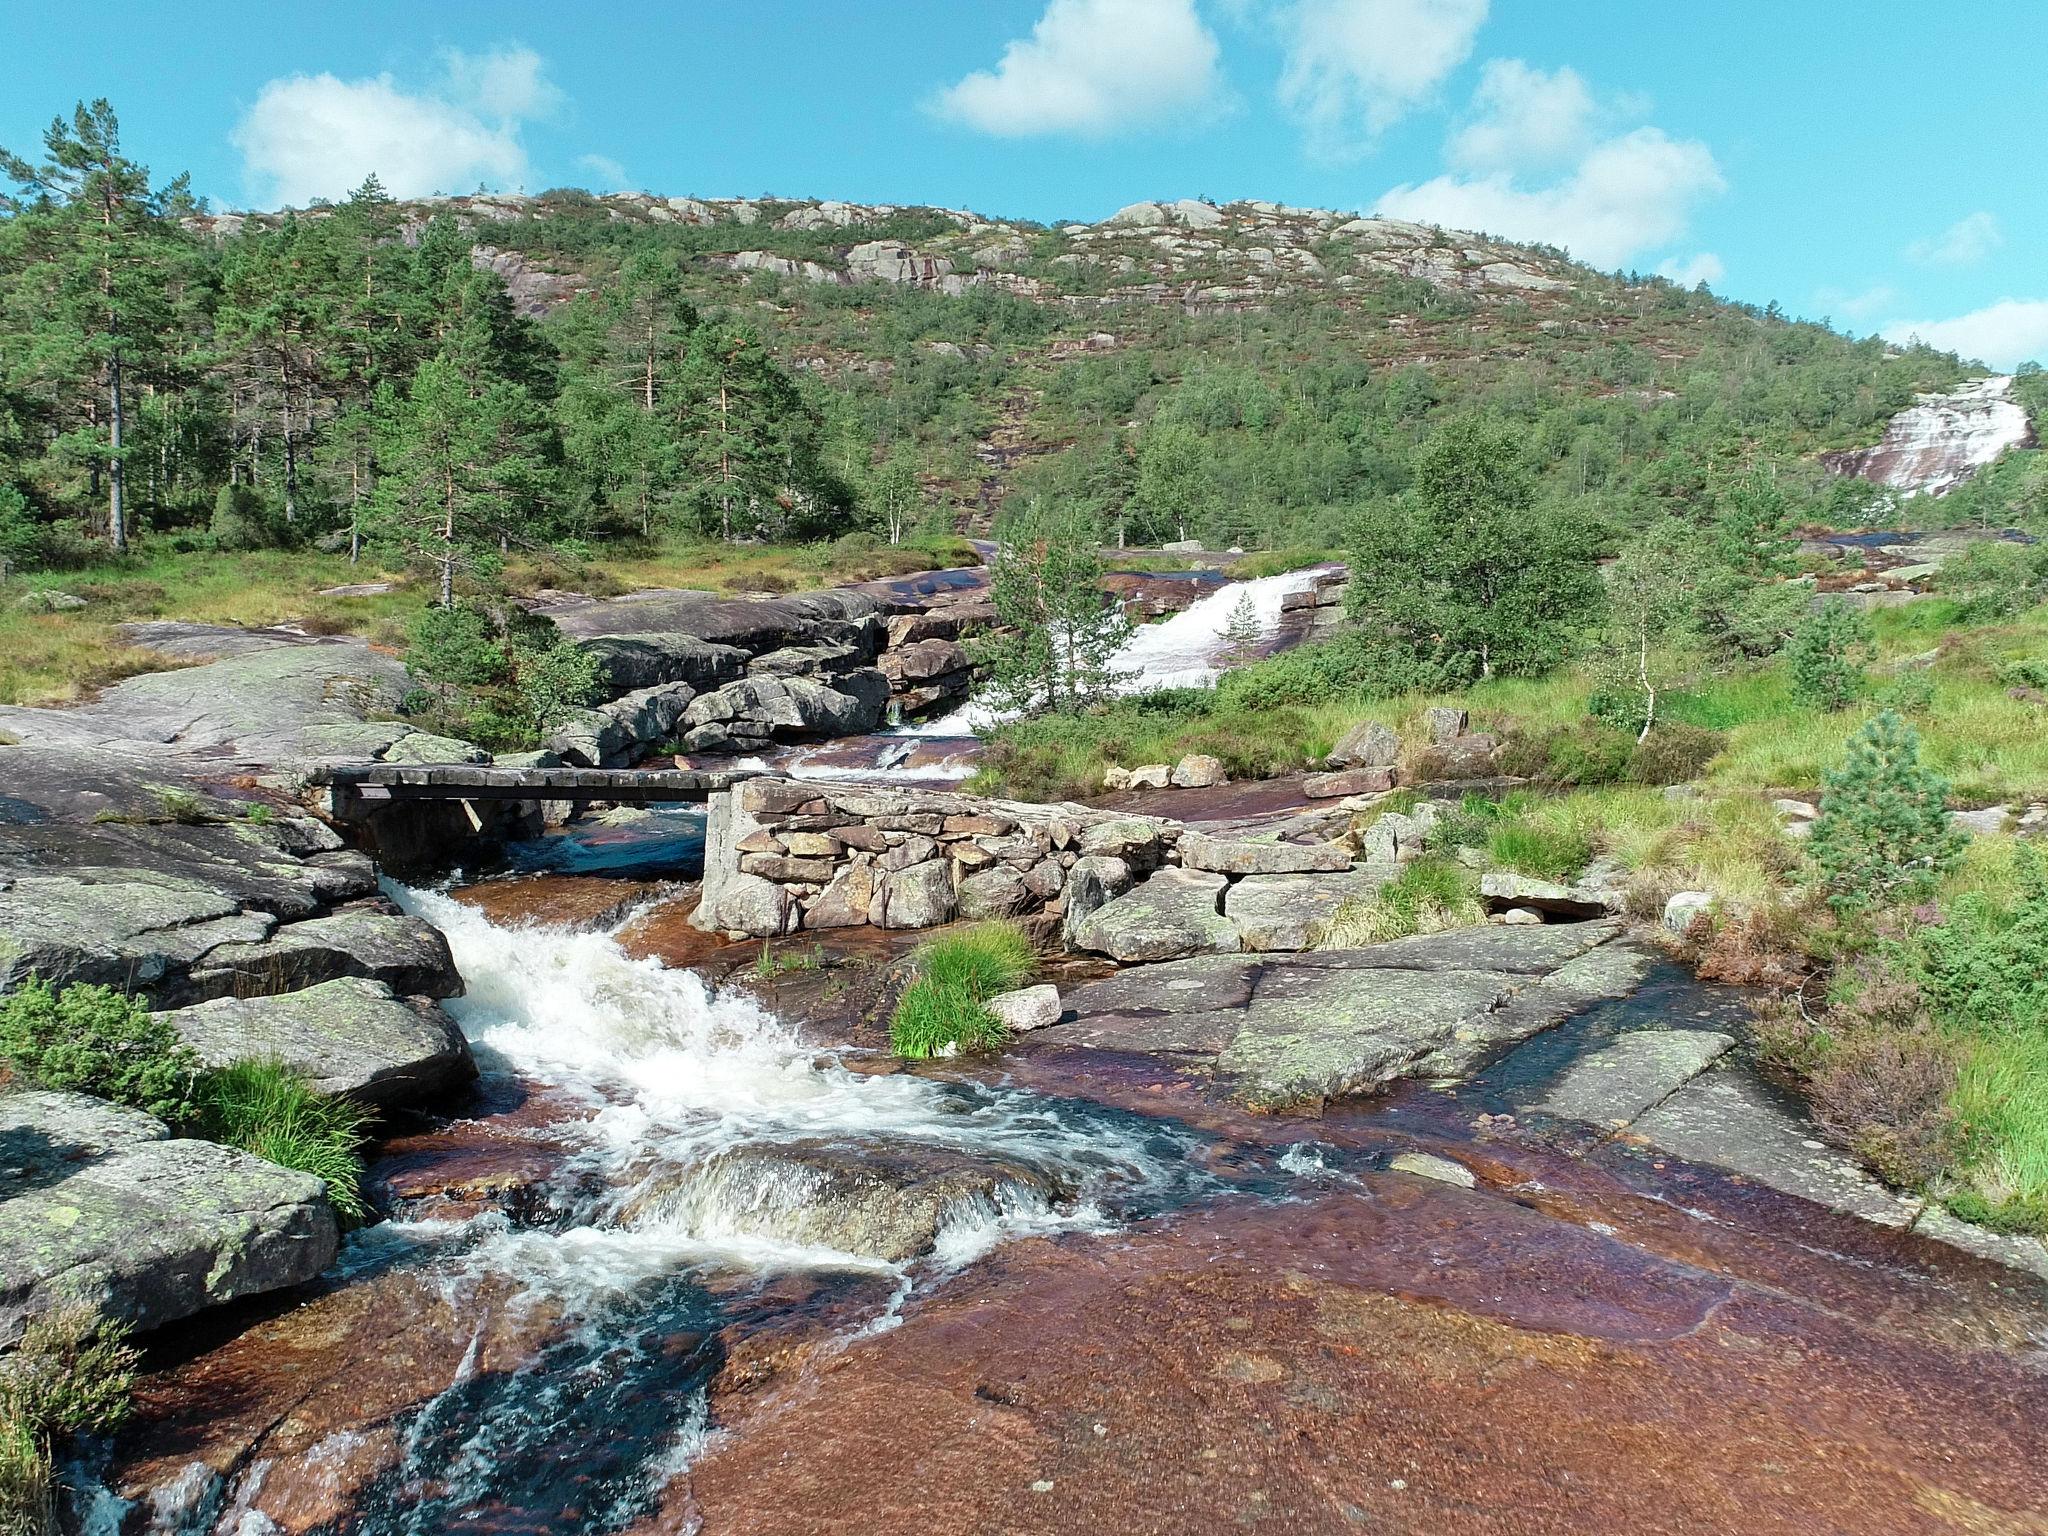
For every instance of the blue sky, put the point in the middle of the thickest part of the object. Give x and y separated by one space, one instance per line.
1877 163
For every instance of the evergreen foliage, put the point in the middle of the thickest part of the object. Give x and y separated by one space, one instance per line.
1883 835
1828 653
92 1039
1241 634
1056 649
70 1373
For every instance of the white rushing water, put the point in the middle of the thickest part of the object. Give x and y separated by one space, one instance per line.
677 1079
1184 650
1941 440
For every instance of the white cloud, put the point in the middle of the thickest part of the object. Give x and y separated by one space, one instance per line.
311 136
1524 119
1628 196
1092 67
1964 243
1356 67
606 174
506 83
2005 334
1857 303
1705 267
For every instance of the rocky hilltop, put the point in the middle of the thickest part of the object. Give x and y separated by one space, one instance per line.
1198 255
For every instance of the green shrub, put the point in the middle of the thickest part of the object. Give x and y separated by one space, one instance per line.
1575 756
95 1040
1356 666
70 1374
458 647
184 807
1828 653
1672 754
1548 853
1985 967
956 975
1883 834
244 520
273 1111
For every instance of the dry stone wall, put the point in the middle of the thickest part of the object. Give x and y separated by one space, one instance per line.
782 855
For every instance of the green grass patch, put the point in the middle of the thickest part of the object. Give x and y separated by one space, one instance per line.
1429 895
956 974
1544 852
1278 562
2001 1098
272 1110
71 1374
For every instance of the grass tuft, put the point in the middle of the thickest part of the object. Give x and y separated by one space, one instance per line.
272 1110
956 975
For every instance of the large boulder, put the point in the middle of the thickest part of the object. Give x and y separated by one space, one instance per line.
407 955
100 1204
1091 884
1292 912
754 710
886 1203
350 1036
1223 856
616 734
921 896
998 891
628 662
1174 913
1368 744
1198 770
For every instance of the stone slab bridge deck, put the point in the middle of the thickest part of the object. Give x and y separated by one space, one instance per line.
367 785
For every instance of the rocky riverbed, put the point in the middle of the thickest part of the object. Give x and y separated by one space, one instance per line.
1490 1229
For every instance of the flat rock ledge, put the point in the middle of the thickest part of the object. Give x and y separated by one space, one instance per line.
1284 1030
351 1036
1682 1092
102 1205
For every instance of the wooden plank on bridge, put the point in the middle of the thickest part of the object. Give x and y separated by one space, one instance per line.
384 782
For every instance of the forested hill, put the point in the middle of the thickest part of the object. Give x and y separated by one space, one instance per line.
577 368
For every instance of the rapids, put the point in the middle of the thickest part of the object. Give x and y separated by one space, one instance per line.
671 1224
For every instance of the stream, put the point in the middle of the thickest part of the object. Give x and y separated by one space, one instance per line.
686 1265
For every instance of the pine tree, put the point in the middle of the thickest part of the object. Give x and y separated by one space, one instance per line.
464 468
1241 633
1828 653
1059 634
93 298
626 402
1752 530
1884 834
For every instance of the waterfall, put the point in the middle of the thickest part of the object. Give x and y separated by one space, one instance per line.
1941 440
1182 651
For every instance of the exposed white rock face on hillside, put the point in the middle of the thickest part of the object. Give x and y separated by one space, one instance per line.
1937 443
1196 255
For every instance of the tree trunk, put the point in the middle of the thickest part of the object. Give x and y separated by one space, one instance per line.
291 449
1649 688
448 543
117 509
